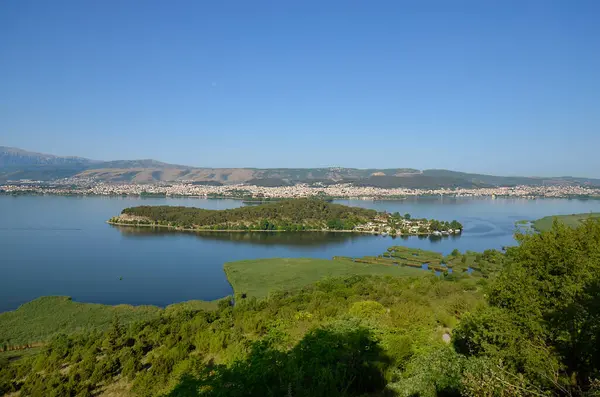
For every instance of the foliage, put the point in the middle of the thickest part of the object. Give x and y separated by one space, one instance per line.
544 319
341 336
305 214
483 264
338 360
40 319
289 215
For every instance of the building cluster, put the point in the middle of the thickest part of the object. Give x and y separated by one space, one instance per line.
91 187
407 227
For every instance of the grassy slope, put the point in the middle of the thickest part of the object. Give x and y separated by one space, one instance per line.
40 319
258 277
574 220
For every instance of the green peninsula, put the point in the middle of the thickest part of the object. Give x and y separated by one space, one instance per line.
306 214
573 220
260 277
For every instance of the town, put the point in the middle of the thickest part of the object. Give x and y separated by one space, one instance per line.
89 186
402 225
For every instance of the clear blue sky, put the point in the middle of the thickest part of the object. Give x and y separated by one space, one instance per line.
501 87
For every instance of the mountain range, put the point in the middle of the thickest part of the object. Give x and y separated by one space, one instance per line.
18 164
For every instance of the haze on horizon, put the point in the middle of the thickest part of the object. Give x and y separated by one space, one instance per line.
506 89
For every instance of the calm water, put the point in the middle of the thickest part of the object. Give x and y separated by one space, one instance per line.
62 245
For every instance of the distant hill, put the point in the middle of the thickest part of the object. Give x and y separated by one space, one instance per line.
11 157
418 181
17 164
491 180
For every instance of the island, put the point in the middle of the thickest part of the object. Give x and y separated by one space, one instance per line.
573 220
304 214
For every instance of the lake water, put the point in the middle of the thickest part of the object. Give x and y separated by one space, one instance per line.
51 245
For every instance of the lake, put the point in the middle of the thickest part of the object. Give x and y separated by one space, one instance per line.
53 245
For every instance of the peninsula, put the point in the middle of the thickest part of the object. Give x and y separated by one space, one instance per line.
306 214
573 220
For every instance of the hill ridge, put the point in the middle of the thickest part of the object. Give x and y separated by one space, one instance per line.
18 164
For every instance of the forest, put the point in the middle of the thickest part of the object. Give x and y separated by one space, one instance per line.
530 328
289 215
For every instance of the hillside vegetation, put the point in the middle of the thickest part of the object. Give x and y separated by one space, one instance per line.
344 336
39 320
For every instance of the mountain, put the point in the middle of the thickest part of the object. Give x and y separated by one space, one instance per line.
11 157
17 164
146 163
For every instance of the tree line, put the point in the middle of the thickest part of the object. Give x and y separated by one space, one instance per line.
299 214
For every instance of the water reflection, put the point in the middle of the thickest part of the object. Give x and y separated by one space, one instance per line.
286 239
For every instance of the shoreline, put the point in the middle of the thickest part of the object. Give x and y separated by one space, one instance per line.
275 199
180 229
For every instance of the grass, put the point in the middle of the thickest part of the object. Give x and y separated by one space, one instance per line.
39 320
191 306
258 277
574 220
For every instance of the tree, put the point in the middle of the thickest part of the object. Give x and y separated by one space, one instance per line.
335 224
455 225
407 216
541 321
112 340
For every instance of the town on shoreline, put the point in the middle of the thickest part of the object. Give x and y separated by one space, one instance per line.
90 187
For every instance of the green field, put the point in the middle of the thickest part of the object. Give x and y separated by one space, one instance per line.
258 277
39 320
573 220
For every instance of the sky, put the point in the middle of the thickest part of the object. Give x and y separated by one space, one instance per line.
500 87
